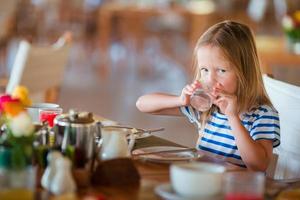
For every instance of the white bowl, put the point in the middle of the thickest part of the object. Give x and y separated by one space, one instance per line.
197 179
34 109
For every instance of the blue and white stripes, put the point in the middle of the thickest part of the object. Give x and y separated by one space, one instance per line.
217 139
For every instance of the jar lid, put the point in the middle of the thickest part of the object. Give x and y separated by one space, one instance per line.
75 117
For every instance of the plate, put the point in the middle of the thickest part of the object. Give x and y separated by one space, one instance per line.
107 122
140 133
166 157
166 192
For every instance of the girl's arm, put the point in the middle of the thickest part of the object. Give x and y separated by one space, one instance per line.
255 154
159 103
166 104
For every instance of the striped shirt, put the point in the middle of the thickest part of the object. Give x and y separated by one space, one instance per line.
217 139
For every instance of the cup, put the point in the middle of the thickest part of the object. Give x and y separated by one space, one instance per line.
197 180
34 110
201 100
244 185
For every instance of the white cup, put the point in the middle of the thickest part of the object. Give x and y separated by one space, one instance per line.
197 179
34 110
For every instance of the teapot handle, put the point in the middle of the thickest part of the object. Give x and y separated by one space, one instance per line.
131 144
98 137
98 142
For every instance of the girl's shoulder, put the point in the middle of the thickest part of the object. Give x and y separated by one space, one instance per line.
262 110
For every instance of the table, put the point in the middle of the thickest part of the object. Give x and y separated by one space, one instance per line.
273 52
131 21
152 175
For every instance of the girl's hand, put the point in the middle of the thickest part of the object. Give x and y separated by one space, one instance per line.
227 103
187 91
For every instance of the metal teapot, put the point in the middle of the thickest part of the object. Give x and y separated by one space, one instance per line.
77 134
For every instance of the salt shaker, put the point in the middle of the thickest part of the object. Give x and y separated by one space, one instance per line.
50 170
63 181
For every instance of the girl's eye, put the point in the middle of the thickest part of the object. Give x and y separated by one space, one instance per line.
222 70
203 69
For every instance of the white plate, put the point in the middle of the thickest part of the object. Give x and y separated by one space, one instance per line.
128 131
166 192
107 122
166 157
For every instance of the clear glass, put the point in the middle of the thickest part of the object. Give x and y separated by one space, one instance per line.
48 114
244 186
201 100
16 184
293 45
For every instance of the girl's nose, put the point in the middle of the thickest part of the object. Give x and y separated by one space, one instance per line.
212 80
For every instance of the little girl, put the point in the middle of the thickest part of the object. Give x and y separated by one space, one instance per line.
241 126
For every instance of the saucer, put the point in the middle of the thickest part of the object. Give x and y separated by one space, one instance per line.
165 191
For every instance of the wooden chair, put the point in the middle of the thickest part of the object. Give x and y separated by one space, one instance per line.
40 69
7 9
286 99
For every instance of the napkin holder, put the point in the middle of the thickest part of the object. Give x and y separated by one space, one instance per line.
116 172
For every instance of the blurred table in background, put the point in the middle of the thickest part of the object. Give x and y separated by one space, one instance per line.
135 22
276 60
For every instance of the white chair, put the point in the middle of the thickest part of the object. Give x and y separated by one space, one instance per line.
40 69
286 99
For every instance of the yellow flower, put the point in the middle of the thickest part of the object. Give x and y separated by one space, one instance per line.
21 93
297 16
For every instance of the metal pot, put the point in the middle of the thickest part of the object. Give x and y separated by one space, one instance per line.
76 134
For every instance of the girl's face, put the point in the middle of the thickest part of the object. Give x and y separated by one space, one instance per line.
215 70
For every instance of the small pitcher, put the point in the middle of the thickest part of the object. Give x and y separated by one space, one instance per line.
114 144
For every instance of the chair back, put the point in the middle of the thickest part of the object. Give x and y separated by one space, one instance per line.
286 99
39 68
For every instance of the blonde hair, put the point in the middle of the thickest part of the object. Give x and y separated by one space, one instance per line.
236 41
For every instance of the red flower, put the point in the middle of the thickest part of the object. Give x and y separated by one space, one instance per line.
4 99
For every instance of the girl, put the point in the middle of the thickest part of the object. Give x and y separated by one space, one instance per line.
242 126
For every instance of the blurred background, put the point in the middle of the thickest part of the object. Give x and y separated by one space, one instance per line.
122 49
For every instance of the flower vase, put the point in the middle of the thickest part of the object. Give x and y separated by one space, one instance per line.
293 45
16 184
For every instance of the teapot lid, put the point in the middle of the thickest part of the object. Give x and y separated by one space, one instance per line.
75 117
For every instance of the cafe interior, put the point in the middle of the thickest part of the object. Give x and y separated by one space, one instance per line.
90 61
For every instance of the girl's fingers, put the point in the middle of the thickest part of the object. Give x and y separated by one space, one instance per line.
219 92
190 88
196 85
186 91
218 100
196 82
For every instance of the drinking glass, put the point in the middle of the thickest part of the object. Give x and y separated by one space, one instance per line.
48 114
18 184
244 186
201 100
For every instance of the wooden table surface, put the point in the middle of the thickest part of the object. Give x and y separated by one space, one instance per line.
273 52
152 174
